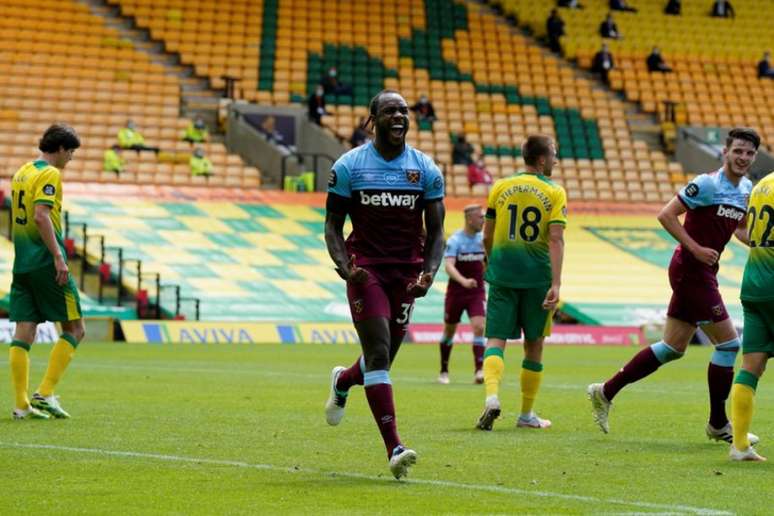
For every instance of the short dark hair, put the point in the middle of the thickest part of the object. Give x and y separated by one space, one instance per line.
373 106
743 133
59 136
535 147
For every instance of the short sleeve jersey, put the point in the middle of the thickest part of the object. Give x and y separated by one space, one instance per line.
385 201
35 183
716 207
468 251
758 281
522 207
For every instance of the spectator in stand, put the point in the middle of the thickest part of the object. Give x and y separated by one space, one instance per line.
722 9
332 85
673 7
423 109
603 63
570 4
608 28
656 62
555 30
621 5
764 67
130 138
316 105
200 164
112 161
196 132
360 134
478 174
462 152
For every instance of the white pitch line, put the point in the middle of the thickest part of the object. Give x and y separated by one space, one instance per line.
324 377
416 481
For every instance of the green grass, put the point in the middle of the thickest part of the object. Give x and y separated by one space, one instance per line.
240 430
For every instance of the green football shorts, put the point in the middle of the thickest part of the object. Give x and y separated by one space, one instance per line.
509 311
36 297
758 336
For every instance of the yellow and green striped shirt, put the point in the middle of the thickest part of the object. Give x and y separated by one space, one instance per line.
522 207
36 182
758 281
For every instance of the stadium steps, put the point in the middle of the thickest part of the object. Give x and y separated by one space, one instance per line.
89 301
86 267
94 302
88 281
197 98
643 126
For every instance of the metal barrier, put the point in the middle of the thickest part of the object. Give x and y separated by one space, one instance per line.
300 156
121 261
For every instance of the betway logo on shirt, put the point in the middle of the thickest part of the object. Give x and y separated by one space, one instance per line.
470 257
730 213
388 199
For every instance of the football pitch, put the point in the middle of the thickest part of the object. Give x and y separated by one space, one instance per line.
223 429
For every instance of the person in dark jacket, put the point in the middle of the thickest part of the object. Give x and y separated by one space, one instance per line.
673 7
570 4
462 152
603 63
423 109
608 28
656 62
764 67
555 30
621 5
316 105
722 9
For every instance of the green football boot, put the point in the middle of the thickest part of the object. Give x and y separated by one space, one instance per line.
49 404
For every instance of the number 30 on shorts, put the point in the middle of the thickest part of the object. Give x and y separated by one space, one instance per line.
405 315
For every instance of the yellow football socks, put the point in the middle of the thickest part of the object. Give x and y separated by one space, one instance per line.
531 374
58 360
742 401
19 359
494 366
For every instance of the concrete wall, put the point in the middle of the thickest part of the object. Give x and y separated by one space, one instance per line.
243 139
316 141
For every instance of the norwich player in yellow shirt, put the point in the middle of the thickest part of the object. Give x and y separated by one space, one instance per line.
42 287
758 304
524 240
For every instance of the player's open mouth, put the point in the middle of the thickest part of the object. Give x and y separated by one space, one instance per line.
398 130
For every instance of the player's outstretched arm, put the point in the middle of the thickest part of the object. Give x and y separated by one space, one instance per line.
669 218
434 246
334 241
741 233
46 230
435 212
556 254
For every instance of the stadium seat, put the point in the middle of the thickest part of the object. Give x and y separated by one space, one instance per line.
75 69
712 68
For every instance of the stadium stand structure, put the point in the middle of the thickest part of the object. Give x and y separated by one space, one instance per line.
90 306
265 259
714 60
70 67
485 81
